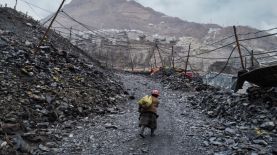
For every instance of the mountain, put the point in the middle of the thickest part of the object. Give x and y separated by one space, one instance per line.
124 14
130 15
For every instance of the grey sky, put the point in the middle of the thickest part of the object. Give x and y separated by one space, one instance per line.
256 13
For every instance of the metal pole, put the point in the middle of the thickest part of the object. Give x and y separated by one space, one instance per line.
238 45
41 41
186 67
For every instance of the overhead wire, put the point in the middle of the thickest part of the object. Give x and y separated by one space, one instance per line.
98 34
226 64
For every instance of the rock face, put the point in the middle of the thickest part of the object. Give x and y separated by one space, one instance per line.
41 88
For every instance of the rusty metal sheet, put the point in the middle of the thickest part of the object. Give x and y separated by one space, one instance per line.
263 77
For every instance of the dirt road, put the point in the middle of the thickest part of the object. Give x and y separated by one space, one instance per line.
181 129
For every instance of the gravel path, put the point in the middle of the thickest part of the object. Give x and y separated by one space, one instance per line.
181 129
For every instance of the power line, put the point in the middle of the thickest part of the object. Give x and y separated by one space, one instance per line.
36 6
84 25
228 37
226 64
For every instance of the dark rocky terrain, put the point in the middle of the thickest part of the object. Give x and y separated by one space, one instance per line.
248 121
53 101
40 90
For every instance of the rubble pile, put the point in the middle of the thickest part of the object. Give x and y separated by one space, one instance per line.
254 107
40 89
177 81
247 121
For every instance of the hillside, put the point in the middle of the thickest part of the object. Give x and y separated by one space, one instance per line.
130 15
40 89
122 14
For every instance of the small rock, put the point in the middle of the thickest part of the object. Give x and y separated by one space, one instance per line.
80 109
70 135
43 148
51 144
206 143
27 43
222 153
3 144
214 142
261 142
230 124
230 131
43 125
268 126
110 126
144 150
29 24
211 113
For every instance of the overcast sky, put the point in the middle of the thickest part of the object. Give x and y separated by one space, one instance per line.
261 14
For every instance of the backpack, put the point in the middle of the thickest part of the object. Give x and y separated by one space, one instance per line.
145 103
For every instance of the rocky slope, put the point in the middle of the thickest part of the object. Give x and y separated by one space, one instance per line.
42 90
248 121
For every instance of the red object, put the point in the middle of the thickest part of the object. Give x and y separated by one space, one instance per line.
155 92
189 75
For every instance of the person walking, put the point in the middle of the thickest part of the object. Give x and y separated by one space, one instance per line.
148 112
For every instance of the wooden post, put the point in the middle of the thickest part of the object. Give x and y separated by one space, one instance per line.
107 57
238 45
186 67
129 51
252 58
160 55
15 4
42 39
245 60
172 57
70 34
155 58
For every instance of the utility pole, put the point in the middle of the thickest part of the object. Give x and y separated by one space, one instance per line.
238 45
187 62
245 60
252 58
155 58
70 34
15 4
172 56
130 54
56 14
161 58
